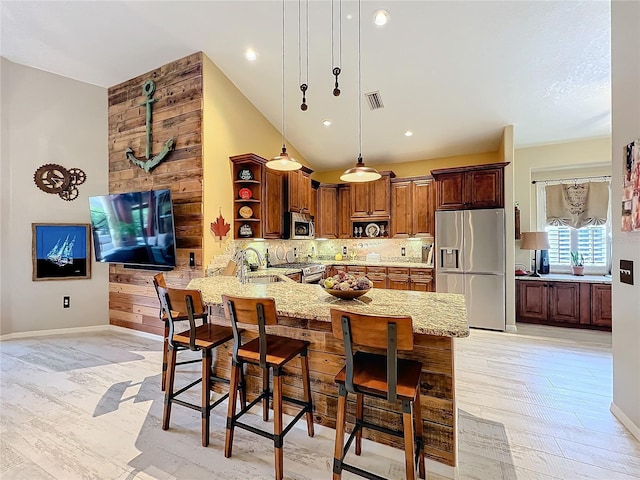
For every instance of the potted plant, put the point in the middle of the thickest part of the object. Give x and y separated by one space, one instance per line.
577 263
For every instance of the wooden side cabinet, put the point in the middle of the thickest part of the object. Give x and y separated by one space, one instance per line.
568 304
327 218
478 186
412 208
273 223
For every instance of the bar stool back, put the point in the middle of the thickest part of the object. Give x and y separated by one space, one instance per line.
180 304
382 376
269 352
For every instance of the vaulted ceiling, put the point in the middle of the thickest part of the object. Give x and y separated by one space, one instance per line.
453 72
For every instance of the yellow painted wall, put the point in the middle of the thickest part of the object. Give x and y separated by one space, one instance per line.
231 126
419 167
548 162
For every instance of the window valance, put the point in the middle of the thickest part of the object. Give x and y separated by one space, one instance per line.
577 205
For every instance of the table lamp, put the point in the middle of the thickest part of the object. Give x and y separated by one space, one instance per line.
535 241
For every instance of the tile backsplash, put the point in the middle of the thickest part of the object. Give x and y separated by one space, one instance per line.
390 250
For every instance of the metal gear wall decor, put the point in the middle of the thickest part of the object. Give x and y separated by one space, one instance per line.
151 162
53 178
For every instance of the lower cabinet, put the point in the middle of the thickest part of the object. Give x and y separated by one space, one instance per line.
564 303
393 278
296 277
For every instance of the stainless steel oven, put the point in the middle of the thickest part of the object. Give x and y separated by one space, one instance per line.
300 226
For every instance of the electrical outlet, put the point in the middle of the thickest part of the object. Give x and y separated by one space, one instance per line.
403 252
344 250
66 301
192 259
295 252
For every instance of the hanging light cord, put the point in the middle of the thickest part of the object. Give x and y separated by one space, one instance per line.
284 148
303 86
336 70
359 88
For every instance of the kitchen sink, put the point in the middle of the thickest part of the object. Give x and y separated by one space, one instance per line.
265 279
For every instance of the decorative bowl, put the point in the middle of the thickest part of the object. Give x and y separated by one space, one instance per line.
346 294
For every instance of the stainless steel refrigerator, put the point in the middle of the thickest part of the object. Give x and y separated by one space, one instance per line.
470 259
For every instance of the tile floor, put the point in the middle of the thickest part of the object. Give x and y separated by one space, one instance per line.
532 405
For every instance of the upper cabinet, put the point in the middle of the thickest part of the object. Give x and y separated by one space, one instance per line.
273 224
478 186
299 190
371 200
327 218
412 207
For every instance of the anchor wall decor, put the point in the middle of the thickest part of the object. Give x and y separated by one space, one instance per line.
151 162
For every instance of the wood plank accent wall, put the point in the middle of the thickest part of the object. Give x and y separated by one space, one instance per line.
177 112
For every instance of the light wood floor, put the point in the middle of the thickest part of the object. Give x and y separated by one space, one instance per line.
532 405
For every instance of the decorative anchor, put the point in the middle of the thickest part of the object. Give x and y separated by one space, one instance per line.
148 88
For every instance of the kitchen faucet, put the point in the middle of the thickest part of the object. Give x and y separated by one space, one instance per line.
241 257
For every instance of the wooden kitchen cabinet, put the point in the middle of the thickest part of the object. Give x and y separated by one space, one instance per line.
344 212
478 186
273 223
327 218
421 279
371 200
578 304
378 275
412 207
601 304
299 190
398 278
313 199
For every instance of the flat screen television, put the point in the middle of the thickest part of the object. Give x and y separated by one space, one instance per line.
136 229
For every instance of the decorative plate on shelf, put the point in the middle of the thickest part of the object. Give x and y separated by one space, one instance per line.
245 174
245 193
246 230
372 230
245 212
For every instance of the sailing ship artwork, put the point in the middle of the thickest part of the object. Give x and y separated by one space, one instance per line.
60 251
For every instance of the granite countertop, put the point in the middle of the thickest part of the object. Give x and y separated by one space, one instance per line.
442 314
567 277
382 263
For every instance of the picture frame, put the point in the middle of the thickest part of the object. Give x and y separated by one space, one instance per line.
60 251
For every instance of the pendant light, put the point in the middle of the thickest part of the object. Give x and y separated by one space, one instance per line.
360 173
283 162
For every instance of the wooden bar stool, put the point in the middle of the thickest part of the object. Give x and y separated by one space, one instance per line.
182 304
270 352
381 376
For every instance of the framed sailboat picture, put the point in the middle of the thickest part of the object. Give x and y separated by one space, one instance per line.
61 251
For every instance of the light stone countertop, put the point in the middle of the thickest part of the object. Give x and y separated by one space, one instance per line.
442 314
567 277
382 263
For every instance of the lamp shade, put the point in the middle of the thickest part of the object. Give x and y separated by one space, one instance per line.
535 241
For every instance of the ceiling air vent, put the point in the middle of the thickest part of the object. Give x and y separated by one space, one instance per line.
375 100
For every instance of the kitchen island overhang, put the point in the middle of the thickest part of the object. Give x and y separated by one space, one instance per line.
303 312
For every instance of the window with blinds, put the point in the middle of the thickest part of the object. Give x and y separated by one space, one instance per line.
590 241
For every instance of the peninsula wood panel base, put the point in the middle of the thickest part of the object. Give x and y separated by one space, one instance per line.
326 358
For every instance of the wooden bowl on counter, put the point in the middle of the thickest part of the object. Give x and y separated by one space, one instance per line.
346 294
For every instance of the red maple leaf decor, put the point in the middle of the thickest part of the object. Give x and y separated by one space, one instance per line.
219 227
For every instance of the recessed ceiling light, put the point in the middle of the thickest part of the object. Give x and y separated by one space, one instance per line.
349 16
250 54
326 123
408 133
381 17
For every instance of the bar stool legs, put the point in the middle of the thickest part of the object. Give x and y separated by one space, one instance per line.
306 385
277 423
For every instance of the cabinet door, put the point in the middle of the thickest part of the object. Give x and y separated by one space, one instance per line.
360 200
533 300
313 202
484 188
344 212
450 191
379 279
421 285
401 210
601 304
273 208
327 220
422 211
304 192
398 282
293 204
379 192
564 302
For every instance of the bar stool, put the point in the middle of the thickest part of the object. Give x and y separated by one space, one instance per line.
270 352
180 304
159 281
381 376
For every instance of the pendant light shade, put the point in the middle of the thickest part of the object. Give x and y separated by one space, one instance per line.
360 173
283 162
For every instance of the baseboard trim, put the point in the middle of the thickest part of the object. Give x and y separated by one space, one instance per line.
626 421
511 329
65 331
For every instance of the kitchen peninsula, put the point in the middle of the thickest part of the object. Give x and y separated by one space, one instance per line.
303 312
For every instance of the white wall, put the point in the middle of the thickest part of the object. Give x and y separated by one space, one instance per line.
625 81
48 119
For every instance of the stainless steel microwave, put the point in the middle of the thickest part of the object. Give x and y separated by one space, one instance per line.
300 226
